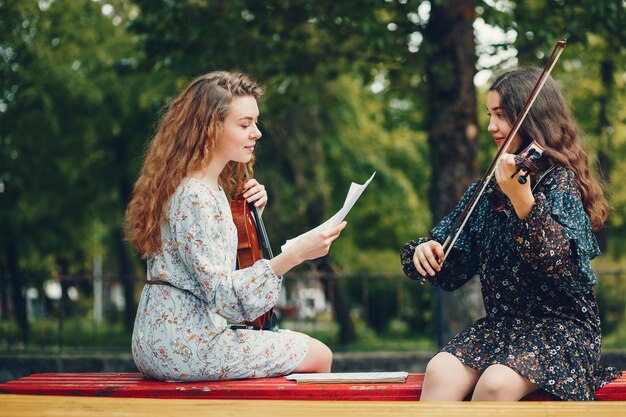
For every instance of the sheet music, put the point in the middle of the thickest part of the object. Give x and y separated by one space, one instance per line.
353 195
349 377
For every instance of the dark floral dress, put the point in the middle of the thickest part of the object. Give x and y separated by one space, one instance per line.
541 314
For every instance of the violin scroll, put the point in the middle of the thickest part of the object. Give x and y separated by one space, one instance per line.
528 162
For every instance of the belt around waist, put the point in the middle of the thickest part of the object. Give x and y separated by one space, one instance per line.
156 282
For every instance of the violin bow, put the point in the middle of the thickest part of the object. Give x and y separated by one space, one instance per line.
456 230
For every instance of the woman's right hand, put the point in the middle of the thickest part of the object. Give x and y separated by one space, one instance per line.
428 257
316 243
310 245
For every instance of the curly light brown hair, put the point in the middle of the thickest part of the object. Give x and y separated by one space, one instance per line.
184 142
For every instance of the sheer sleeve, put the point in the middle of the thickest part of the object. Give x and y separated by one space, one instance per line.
460 266
555 238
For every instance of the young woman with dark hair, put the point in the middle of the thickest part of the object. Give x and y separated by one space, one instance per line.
542 327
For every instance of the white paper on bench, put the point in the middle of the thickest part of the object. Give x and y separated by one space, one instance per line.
349 377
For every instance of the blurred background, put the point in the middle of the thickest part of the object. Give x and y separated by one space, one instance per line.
352 87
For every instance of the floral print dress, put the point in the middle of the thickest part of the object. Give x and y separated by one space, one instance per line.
181 330
541 314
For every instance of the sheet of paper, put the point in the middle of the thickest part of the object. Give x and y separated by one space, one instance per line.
353 195
349 377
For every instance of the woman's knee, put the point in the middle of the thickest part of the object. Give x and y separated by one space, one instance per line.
491 387
444 366
319 358
447 379
501 383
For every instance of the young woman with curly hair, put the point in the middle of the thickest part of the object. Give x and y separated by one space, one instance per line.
179 219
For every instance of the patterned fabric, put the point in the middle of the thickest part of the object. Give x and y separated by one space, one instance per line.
541 315
181 331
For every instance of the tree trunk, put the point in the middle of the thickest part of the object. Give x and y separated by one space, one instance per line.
17 296
64 302
607 72
127 279
124 263
334 291
452 133
4 297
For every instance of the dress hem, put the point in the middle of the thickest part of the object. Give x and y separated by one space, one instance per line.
540 386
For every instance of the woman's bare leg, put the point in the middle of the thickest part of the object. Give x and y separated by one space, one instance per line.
447 379
501 383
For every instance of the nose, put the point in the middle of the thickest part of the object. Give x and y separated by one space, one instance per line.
492 128
256 133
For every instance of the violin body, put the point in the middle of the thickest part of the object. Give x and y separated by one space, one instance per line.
529 162
248 245
251 238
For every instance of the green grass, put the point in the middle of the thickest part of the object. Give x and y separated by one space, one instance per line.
396 338
69 335
81 336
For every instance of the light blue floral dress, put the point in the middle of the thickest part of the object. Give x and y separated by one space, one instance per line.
181 331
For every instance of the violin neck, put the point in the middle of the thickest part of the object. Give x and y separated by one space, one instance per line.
263 239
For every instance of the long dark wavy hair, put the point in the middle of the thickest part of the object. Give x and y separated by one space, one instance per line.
551 124
183 144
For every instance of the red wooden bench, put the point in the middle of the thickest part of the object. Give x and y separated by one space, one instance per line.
134 385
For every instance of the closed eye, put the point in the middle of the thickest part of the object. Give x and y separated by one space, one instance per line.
247 124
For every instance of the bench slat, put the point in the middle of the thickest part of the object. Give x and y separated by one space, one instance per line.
134 385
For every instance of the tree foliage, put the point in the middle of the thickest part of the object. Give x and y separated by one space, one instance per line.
351 88
64 105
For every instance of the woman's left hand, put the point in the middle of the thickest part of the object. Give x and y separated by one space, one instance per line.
521 195
255 193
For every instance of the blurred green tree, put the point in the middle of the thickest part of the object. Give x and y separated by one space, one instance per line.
352 87
63 105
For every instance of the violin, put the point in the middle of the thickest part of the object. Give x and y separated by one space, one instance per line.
457 228
252 240
529 162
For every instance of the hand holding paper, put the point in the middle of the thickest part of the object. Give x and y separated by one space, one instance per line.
354 193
